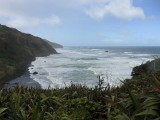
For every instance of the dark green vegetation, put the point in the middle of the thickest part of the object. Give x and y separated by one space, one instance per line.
136 99
17 50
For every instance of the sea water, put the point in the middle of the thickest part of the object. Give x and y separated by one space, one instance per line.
82 65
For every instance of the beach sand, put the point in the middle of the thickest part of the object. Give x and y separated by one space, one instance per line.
24 81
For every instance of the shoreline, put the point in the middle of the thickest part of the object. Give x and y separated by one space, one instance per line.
23 80
18 50
20 71
22 76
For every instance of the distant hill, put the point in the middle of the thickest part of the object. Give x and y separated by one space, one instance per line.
17 50
54 45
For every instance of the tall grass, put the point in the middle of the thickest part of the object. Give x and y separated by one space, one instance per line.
77 102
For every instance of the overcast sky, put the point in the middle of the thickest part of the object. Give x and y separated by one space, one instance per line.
86 22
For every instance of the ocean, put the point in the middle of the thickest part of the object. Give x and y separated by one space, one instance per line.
82 65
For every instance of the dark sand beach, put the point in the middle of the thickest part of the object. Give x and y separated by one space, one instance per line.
23 80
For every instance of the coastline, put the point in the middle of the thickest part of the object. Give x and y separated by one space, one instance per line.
24 80
130 100
18 50
21 70
22 75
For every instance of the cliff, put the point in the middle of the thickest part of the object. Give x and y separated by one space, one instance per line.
17 50
54 45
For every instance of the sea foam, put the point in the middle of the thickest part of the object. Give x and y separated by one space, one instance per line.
83 65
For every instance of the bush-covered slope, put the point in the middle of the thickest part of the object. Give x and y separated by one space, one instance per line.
17 50
129 102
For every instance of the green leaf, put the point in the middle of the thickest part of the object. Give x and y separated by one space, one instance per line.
23 113
51 116
122 117
150 102
44 99
36 112
134 99
43 95
156 82
148 112
2 110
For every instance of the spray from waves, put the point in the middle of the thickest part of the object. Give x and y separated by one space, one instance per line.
128 52
82 66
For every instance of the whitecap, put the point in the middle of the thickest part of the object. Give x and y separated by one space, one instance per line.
83 65
128 52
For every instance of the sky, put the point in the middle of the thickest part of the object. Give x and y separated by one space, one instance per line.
86 22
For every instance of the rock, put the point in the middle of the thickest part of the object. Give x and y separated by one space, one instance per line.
135 74
35 73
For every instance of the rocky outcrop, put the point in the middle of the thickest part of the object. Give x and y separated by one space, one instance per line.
17 50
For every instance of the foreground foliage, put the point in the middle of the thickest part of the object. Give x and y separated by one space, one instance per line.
136 99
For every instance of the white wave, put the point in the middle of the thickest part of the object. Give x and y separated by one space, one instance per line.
142 55
83 66
128 52
94 49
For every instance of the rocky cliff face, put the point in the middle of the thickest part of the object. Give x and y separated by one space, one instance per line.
17 50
